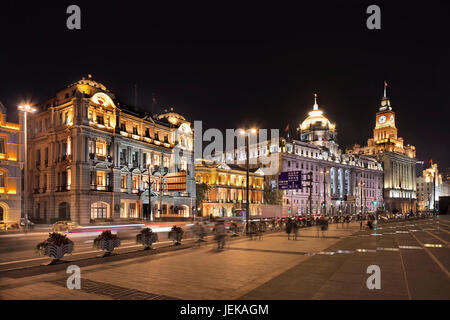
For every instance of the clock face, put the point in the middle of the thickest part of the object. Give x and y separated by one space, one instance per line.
392 119
382 119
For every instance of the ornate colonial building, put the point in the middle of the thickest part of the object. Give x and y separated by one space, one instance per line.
91 158
226 194
11 154
429 188
352 182
398 158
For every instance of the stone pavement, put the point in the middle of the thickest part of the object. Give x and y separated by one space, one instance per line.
330 267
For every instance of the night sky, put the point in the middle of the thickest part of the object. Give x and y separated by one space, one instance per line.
239 66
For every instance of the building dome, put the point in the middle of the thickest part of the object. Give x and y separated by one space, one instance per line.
316 128
171 116
316 119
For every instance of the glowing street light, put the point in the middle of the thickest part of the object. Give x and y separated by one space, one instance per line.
25 109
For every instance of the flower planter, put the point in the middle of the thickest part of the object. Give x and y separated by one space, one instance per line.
108 245
147 239
56 246
176 236
57 252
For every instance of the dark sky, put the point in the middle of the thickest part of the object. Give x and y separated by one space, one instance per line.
233 66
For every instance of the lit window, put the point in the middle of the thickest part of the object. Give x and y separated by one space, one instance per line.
2 179
156 161
100 148
133 211
123 181
101 178
99 210
135 182
183 164
166 162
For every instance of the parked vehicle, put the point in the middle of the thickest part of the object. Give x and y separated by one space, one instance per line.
64 226
22 223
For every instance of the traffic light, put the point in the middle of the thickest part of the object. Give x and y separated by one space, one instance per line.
323 204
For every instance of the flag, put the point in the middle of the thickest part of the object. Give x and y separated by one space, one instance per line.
385 83
287 128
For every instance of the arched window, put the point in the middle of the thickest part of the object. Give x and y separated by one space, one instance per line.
1 214
99 210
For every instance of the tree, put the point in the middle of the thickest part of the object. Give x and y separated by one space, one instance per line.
202 190
273 196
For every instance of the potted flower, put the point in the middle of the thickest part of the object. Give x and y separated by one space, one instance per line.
176 234
146 237
56 246
107 241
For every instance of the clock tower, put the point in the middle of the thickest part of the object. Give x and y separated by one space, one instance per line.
385 130
399 160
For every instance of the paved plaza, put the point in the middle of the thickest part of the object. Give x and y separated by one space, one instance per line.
413 257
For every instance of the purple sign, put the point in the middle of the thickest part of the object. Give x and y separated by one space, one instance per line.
291 180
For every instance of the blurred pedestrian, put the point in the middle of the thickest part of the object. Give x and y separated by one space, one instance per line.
289 228
295 227
220 234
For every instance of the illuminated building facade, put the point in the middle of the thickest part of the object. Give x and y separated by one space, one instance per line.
226 195
399 162
10 170
427 194
351 181
89 157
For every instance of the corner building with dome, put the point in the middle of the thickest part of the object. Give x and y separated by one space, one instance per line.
91 159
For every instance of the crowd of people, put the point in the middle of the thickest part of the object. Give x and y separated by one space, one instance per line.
291 225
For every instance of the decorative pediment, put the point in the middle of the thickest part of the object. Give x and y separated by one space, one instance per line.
223 166
124 169
136 171
260 172
101 165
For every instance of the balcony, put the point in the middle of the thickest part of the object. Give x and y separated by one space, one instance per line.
62 188
100 188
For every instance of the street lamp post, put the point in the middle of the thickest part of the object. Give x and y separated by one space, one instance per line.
247 165
150 191
26 109
361 196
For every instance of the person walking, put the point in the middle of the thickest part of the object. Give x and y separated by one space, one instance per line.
295 227
221 233
199 232
289 228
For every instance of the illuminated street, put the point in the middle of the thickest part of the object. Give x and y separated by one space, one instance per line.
413 257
